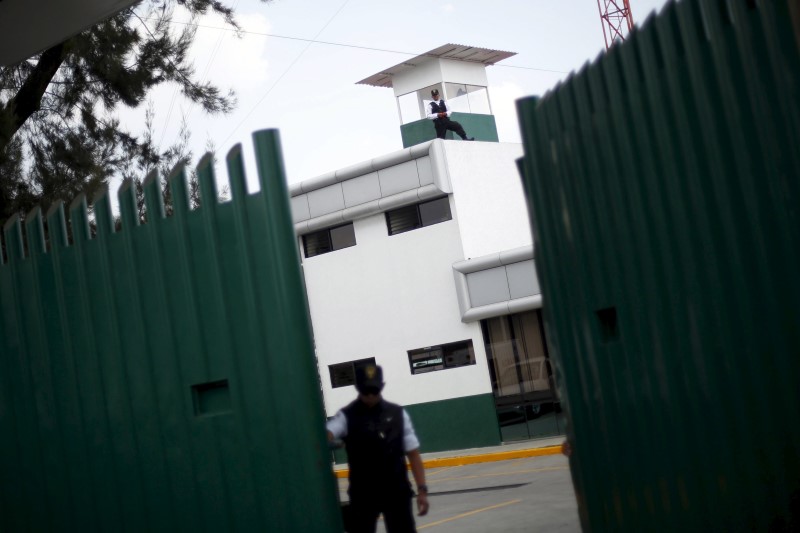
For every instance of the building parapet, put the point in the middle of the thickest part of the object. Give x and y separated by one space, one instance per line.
386 182
497 284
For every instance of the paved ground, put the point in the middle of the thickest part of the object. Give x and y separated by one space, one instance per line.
520 495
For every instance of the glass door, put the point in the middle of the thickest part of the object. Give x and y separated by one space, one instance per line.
522 377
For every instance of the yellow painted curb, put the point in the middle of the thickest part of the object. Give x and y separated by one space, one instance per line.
440 462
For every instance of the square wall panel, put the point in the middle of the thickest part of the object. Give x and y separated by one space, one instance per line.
325 200
300 210
361 190
522 280
399 178
425 170
488 287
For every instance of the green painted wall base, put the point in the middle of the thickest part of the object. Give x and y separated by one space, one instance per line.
482 127
456 424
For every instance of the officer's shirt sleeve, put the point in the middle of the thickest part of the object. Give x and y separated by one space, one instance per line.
410 440
431 115
337 425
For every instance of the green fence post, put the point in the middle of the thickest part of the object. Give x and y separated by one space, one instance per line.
291 337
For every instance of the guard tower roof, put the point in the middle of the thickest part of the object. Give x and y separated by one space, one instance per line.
457 52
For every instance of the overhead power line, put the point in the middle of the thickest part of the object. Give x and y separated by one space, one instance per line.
347 45
188 114
277 81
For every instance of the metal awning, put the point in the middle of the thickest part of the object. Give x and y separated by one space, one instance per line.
457 52
28 27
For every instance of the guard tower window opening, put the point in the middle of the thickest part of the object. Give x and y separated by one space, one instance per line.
413 106
409 106
465 98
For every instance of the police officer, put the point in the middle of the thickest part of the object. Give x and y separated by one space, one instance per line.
440 116
378 436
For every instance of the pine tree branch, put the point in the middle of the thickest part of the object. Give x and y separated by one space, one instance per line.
29 97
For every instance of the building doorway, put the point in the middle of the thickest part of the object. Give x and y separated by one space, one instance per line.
523 382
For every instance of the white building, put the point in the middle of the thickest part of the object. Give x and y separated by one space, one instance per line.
422 260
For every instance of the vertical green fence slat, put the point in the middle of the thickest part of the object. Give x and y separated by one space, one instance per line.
29 486
149 371
708 129
663 184
42 349
67 386
238 469
193 354
110 504
143 331
289 332
252 354
163 336
9 447
681 130
36 412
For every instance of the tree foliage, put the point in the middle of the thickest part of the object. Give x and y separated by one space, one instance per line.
59 135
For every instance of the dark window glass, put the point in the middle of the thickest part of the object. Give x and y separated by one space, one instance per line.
403 219
459 354
435 211
343 237
441 357
317 243
328 240
344 374
418 215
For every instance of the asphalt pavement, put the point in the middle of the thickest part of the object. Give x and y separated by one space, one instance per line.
528 494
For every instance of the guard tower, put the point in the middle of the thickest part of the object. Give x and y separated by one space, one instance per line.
459 73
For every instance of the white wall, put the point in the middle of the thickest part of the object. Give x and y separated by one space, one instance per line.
388 295
463 72
427 72
489 199
434 70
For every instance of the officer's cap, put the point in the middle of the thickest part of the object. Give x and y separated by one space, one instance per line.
369 377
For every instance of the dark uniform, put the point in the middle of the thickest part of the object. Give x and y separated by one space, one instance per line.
444 124
378 475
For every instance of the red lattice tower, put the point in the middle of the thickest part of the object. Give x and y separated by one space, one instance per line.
615 15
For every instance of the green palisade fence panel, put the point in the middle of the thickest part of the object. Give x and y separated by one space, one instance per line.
162 377
664 186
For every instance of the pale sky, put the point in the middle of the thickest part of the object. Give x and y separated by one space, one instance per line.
308 90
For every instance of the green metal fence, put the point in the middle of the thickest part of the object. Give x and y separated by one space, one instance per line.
162 377
664 183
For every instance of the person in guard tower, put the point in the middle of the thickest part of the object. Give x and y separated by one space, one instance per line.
378 436
441 118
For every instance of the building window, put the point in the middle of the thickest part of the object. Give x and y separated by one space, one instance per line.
344 374
443 357
418 215
329 240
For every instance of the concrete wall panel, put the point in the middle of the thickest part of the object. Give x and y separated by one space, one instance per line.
399 178
522 279
326 200
488 286
361 189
